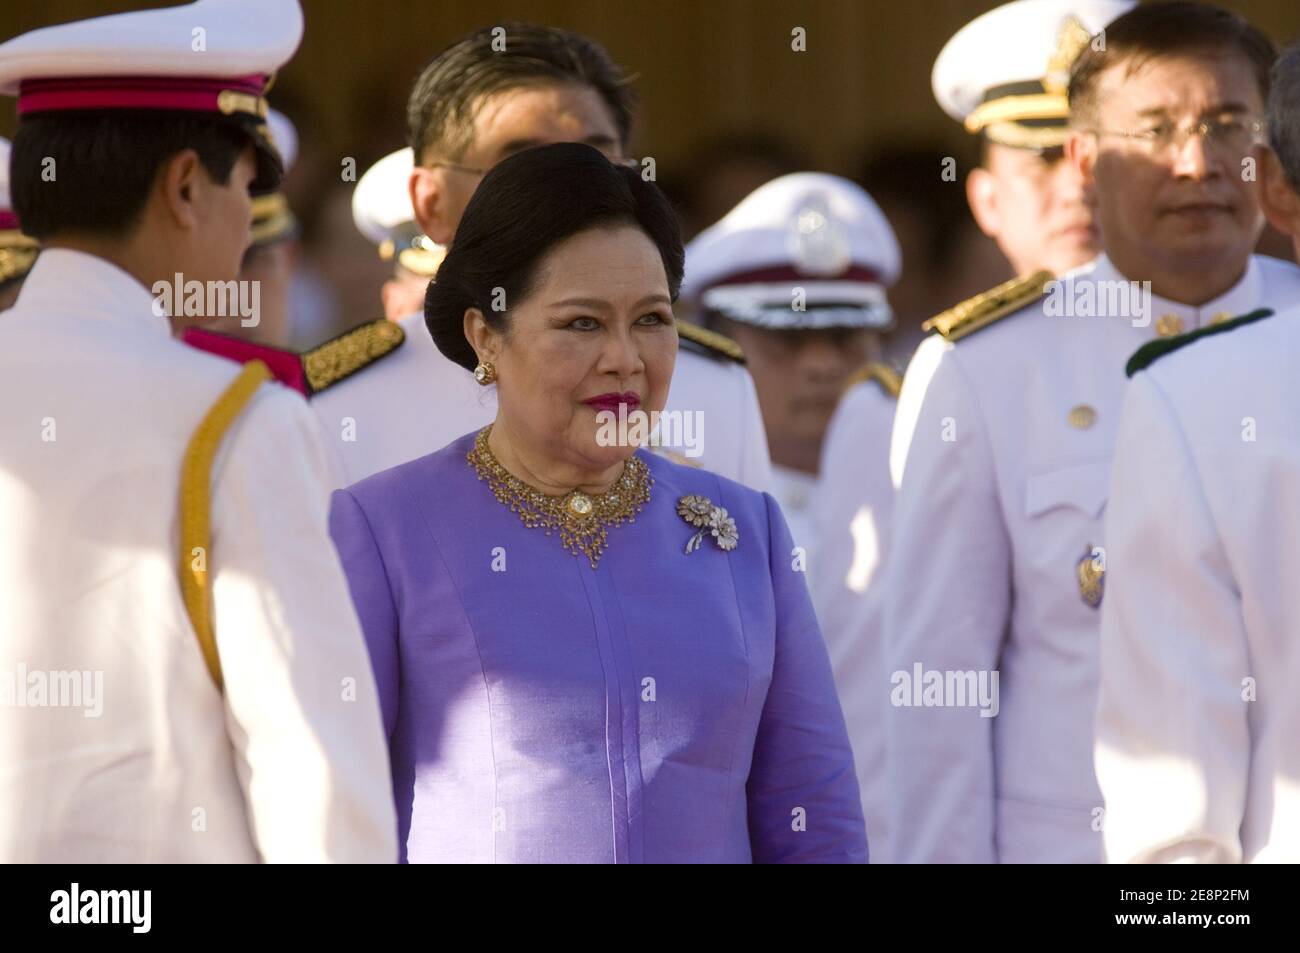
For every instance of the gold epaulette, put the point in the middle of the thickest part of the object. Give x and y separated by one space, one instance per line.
710 343
890 381
983 309
351 351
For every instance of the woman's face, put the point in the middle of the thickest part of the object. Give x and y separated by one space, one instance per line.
595 332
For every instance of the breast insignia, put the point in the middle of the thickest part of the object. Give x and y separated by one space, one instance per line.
983 309
709 343
1150 352
889 380
1091 570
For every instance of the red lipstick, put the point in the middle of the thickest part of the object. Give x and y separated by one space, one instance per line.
612 400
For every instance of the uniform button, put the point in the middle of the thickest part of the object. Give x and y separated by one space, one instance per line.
1167 325
1221 317
1082 417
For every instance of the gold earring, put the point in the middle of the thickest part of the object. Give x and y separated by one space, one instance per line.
485 373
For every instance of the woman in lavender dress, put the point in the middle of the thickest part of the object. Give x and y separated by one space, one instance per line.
586 652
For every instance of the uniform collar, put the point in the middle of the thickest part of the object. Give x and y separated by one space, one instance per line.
1173 317
73 282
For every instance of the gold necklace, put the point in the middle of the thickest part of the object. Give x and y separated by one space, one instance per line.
583 519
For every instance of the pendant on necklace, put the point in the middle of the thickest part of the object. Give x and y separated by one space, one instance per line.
579 504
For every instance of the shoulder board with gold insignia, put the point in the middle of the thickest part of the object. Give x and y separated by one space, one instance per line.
313 371
341 357
1152 351
982 310
890 381
709 343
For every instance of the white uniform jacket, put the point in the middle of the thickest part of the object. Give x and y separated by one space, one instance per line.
115 745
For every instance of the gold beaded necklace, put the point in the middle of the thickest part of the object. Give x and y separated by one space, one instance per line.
582 518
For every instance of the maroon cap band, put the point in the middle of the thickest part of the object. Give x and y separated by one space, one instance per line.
184 93
787 273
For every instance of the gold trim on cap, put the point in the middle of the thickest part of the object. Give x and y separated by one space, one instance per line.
232 101
1018 109
272 218
1015 136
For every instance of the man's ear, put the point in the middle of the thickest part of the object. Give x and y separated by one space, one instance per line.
182 182
485 341
429 203
1276 196
1081 150
982 194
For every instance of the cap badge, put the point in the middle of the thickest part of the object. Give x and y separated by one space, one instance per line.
817 242
1070 42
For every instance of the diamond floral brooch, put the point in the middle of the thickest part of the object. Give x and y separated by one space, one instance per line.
710 520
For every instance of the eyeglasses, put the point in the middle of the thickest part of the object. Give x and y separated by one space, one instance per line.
1223 135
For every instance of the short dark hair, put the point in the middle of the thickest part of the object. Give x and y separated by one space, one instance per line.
438 112
104 165
1284 113
525 206
1154 30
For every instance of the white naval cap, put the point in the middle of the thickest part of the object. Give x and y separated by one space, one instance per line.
1005 74
810 231
211 56
273 220
381 209
284 136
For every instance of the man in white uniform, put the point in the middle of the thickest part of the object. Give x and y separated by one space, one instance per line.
381 209
1003 77
1200 634
797 273
130 732
473 105
1004 437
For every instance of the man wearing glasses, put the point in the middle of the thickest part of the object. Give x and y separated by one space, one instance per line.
1198 710
1003 444
493 93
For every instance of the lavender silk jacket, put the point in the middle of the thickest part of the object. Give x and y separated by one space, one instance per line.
661 708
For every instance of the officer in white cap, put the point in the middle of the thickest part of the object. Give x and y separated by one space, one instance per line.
1198 711
797 273
559 87
381 209
183 674
1004 76
1004 437
17 251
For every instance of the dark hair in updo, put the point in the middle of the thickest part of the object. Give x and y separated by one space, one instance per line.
525 206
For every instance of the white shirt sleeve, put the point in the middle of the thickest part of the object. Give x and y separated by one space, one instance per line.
1173 741
302 709
947 608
